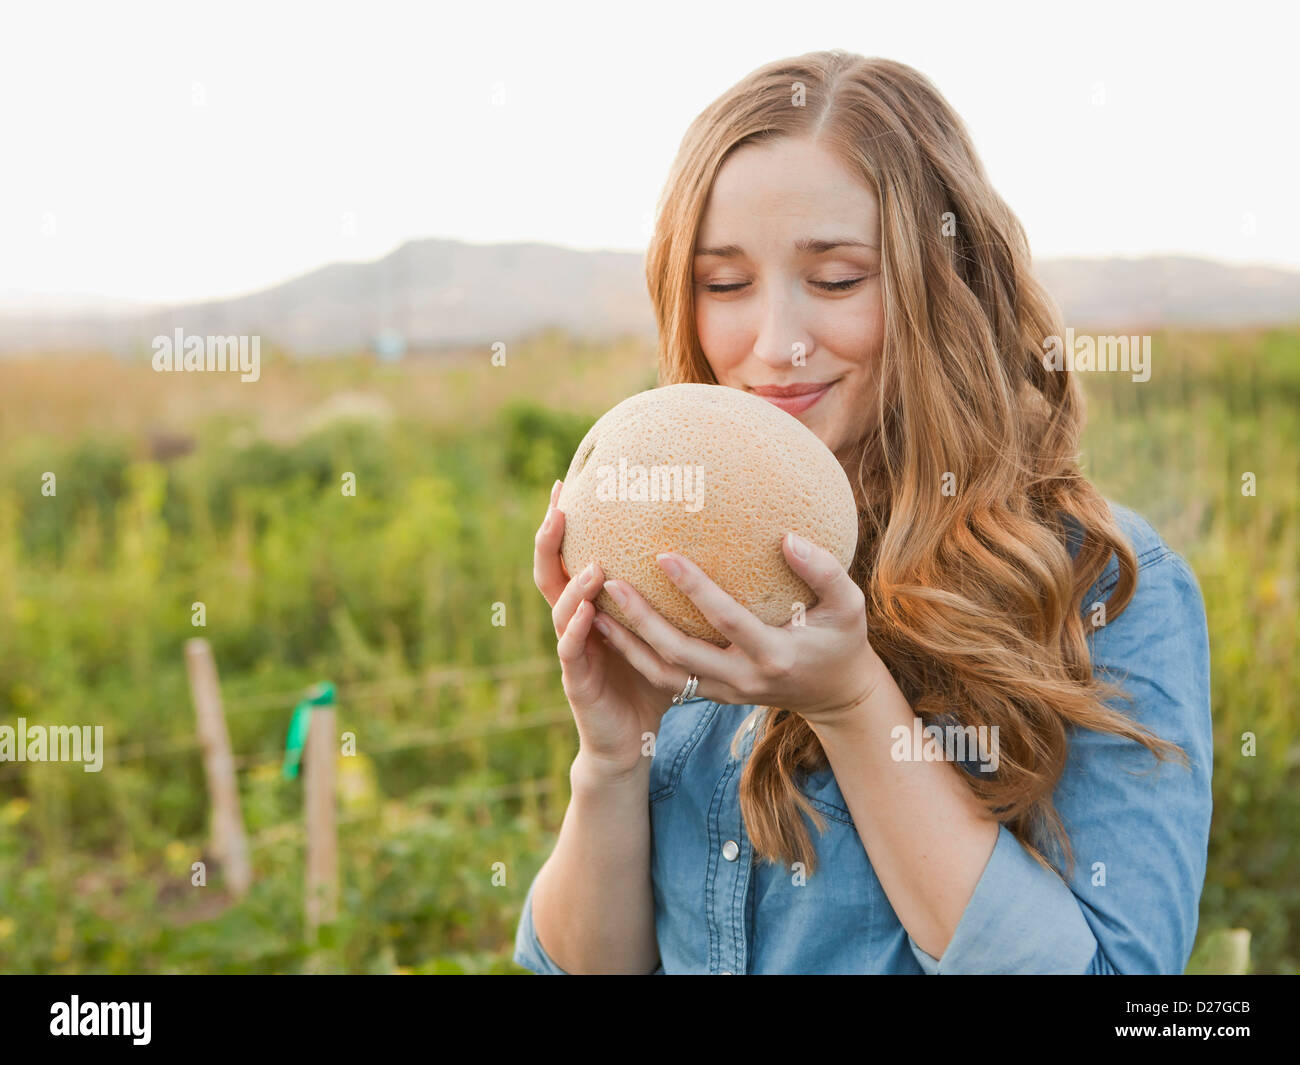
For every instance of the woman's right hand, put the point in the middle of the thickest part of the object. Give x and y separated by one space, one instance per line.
613 705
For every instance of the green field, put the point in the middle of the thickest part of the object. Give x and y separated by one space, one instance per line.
177 489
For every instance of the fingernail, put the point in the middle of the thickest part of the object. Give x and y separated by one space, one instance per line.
799 546
670 566
601 624
555 490
616 592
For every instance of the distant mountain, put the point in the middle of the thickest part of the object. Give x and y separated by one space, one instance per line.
444 293
1171 290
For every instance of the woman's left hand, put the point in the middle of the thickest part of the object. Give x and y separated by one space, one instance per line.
822 669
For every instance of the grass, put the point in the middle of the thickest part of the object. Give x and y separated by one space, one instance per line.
179 489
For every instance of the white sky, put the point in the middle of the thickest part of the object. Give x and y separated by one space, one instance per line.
182 151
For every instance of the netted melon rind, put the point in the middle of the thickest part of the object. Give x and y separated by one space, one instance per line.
764 472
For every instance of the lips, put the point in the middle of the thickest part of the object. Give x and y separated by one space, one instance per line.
785 391
794 399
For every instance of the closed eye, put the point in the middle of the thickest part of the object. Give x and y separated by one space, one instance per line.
829 286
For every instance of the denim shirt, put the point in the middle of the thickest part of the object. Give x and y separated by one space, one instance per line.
1139 831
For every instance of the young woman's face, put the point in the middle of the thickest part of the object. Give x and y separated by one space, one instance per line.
778 299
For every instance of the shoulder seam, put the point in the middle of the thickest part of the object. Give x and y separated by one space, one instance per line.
1150 557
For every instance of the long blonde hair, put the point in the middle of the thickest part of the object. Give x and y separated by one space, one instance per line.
962 390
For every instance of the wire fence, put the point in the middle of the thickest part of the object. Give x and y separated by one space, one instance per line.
434 678
284 702
316 752
295 831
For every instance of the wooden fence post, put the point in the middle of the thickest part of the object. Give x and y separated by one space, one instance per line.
228 840
322 838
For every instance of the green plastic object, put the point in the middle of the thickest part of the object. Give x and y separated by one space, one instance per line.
321 694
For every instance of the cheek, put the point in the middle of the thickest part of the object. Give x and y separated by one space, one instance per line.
723 341
857 333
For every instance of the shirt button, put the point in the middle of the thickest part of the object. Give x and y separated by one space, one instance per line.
730 850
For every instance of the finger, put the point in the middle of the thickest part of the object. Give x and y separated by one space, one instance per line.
670 643
572 645
646 661
558 531
639 654
584 586
731 619
549 573
821 571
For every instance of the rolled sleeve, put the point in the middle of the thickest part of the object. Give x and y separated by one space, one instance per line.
1138 829
529 952
1020 919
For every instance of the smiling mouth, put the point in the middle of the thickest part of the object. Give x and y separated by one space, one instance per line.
790 391
801 400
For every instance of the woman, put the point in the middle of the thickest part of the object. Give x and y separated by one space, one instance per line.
827 229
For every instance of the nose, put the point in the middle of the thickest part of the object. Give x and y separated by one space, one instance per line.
781 335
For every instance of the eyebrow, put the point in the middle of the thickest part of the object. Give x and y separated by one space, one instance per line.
807 245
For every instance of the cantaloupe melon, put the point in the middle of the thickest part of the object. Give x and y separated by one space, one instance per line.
712 473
